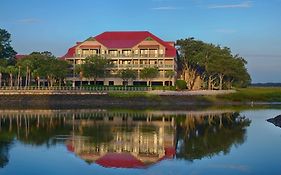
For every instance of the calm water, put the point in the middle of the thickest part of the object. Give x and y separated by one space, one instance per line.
56 142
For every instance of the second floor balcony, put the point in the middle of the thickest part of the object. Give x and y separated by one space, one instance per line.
121 55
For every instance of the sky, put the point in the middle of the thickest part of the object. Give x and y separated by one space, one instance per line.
251 29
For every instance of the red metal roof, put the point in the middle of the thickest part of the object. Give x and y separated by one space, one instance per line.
117 40
70 53
18 57
120 160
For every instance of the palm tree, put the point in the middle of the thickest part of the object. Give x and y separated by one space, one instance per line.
2 70
11 70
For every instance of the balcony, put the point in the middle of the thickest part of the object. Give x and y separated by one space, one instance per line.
143 66
121 55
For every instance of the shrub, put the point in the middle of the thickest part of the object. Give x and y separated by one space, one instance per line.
181 84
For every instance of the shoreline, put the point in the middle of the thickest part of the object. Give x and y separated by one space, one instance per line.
139 101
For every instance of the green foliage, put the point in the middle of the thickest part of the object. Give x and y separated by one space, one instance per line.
170 74
181 84
168 88
95 67
131 95
43 65
149 73
220 132
6 50
214 64
128 74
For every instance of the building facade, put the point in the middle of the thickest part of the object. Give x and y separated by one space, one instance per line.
127 50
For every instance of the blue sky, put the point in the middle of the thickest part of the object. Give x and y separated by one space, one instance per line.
250 28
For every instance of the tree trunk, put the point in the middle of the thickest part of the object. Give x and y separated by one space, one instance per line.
29 77
81 79
11 79
18 84
26 77
20 81
210 82
190 76
38 81
0 79
221 81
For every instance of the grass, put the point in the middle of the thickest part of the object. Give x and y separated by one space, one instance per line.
253 94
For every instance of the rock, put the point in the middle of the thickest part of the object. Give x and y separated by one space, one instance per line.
276 120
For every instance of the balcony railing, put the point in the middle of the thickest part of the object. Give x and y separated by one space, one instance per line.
68 89
142 65
123 55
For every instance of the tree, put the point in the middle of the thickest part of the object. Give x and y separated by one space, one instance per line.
78 70
25 64
3 66
210 135
148 73
6 50
189 60
127 74
95 67
11 70
170 74
2 69
210 64
43 65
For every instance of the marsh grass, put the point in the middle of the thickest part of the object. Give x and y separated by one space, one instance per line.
254 94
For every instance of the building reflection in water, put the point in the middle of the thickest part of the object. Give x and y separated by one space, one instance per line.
125 139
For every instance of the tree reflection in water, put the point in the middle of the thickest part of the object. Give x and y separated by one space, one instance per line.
4 157
136 138
209 135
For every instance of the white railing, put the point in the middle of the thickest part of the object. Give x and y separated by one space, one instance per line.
82 89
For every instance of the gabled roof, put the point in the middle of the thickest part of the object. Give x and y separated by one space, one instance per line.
128 39
71 52
18 57
119 160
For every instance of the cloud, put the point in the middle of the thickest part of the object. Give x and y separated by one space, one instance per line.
28 21
166 8
226 31
246 4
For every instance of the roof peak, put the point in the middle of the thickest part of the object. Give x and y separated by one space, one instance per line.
125 31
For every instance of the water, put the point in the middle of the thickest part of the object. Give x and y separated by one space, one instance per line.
90 142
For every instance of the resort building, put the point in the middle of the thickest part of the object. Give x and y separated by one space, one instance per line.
140 144
127 50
